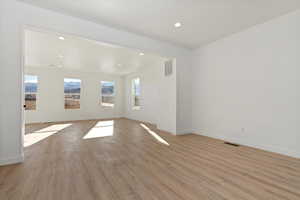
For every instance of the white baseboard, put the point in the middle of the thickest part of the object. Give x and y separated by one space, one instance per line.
12 160
265 147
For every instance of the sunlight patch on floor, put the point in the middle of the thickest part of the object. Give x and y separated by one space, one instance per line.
155 135
39 135
101 129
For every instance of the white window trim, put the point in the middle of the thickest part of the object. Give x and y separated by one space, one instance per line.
36 94
80 94
114 95
133 107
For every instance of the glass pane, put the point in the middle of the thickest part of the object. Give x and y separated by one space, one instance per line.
72 89
31 84
136 92
136 85
107 93
137 101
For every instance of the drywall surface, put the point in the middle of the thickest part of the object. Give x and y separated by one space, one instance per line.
15 15
50 96
246 87
184 95
158 96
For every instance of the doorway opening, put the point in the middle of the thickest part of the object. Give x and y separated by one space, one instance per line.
69 78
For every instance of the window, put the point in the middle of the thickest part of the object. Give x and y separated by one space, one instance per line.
136 93
31 84
107 94
72 93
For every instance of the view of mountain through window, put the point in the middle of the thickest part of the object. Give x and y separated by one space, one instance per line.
72 89
107 93
31 85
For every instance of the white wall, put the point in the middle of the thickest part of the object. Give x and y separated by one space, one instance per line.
246 87
157 96
50 96
184 95
14 15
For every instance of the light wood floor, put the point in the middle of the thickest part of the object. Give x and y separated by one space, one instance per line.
134 164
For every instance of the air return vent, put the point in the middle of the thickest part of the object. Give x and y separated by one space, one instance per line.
168 68
232 144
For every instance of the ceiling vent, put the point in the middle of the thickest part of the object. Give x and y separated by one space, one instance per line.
168 68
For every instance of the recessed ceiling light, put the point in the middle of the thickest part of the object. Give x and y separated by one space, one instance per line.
119 65
141 54
61 56
177 24
61 38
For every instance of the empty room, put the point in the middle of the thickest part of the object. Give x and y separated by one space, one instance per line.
149 100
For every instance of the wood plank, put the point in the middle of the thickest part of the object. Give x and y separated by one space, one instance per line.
132 164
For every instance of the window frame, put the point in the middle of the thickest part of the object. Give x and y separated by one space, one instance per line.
114 94
36 94
80 93
133 95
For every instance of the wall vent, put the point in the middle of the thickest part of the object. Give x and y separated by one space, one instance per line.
168 68
232 144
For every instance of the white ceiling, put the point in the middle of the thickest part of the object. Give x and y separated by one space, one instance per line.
43 49
203 21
